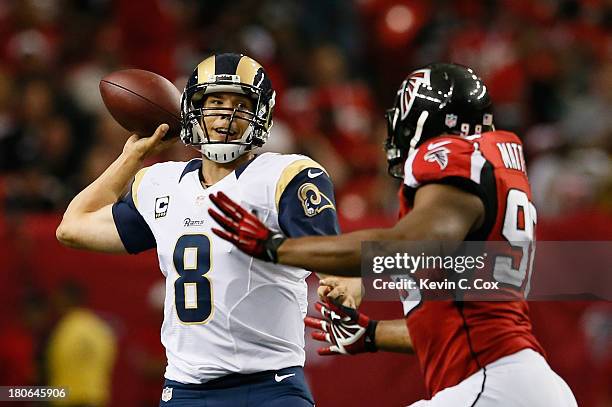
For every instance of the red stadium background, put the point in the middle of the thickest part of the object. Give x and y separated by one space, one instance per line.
335 65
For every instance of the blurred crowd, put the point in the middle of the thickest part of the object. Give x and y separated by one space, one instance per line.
336 66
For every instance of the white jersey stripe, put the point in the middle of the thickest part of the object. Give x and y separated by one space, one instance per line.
477 162
409 179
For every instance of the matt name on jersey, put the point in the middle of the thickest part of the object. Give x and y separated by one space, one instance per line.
512 156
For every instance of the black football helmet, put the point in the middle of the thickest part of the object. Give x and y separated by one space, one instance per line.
436 99
234 73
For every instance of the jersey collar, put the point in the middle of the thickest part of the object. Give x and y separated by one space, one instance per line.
192 165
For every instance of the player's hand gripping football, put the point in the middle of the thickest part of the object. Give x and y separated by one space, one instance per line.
244 230
346 330
144 147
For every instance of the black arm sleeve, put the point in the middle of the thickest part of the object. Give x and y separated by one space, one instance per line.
133 229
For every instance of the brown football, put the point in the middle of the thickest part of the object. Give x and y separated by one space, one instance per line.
141 100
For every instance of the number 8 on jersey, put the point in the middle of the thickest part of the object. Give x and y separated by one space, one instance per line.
193 289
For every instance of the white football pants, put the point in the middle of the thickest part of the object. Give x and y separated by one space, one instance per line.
523 379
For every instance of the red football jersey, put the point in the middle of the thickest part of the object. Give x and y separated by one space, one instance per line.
454 339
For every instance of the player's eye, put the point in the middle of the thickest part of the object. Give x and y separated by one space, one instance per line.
244 106
213 102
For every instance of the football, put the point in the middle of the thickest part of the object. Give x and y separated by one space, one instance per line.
140 101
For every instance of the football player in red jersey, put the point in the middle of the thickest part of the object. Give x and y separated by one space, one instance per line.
462 181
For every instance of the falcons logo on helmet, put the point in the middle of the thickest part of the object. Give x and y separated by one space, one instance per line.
410 88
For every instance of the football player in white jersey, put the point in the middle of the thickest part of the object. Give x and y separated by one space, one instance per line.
233 325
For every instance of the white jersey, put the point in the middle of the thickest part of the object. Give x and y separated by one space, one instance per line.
226 312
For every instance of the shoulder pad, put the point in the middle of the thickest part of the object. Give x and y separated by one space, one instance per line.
444 157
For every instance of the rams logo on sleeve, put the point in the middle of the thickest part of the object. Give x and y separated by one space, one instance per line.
313 200
304 193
